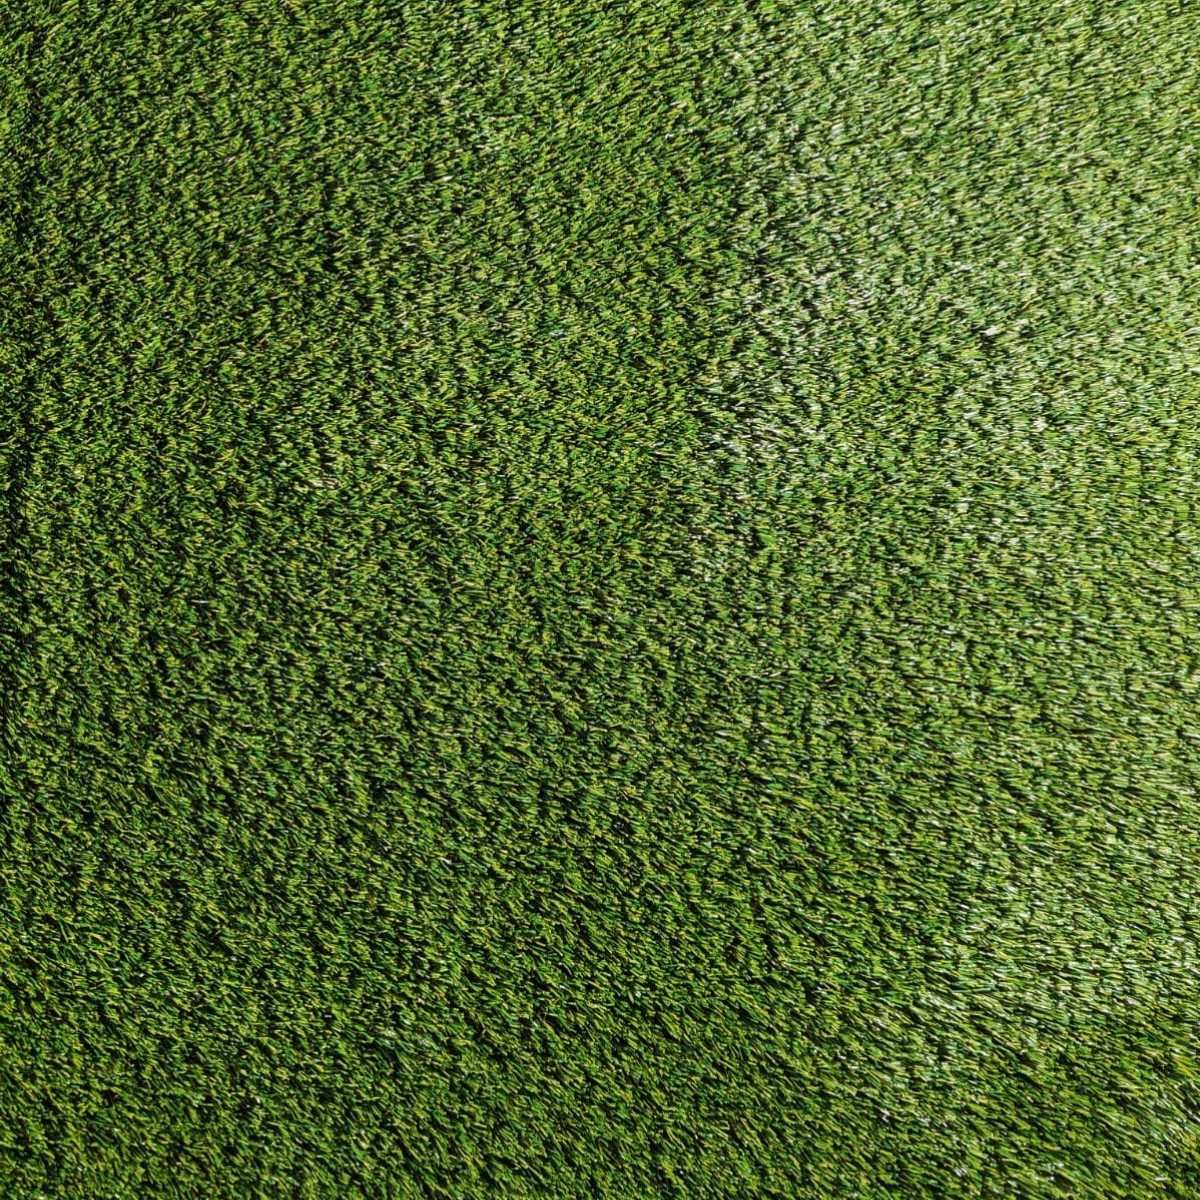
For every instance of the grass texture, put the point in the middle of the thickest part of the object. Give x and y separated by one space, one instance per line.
599 599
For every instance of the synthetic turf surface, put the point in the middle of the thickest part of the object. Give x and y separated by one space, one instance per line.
599 600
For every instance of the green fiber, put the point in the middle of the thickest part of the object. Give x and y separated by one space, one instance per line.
600 599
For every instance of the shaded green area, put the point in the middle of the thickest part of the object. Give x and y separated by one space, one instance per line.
599 600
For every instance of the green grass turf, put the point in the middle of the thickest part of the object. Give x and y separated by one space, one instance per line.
599 600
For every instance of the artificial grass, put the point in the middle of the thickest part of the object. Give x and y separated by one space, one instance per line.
599 600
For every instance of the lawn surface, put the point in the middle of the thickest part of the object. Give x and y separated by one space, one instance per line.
599 600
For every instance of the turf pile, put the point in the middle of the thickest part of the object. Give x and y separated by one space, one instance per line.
599 600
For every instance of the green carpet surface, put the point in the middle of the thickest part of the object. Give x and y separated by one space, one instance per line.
599 600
